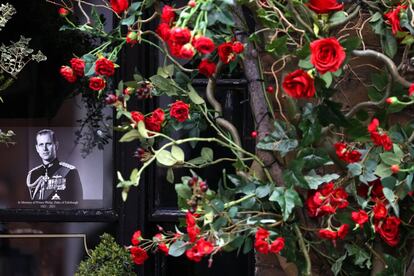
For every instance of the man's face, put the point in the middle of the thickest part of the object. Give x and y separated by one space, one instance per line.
46 148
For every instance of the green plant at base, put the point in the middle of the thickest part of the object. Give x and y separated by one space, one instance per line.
108 258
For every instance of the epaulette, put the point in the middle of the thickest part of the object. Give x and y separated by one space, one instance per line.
66 165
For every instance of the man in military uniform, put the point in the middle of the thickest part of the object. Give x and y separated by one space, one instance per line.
52 180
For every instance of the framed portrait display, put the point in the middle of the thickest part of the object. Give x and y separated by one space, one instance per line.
45 167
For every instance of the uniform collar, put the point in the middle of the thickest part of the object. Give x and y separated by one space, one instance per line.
51 164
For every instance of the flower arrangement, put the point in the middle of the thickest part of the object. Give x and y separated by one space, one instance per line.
328 185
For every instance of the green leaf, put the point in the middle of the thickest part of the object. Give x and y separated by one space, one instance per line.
217 205
395 266
194 97
142 130
262 191
166 71
305 63
351 43
354 169
177 153
390 158
389 43
164 85
383 170
183 190
287 200
337 266
337 17
131 135
177 248
282 139
207 154
278 46
165 158
389 195
361 257
128 21
134 7
327 78
315 180
170 175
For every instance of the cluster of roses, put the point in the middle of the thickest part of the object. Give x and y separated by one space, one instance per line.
327 55
263 245
201 247
103 68
178 110
138 254
379 136
185 43
325 201
385 225
347 154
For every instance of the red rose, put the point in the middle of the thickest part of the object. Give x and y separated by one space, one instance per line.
187 51
190 219
163 30
342 231
204 45
225 52
67 73
161 245
393 18
327 55
78 66
180 35
207 68
136 238
349 156
373 126
119 6
97 83
180 111
262 234
104 67
389 230
261 246
138 255
193 232
411 90
175 48
277 245
167 15
193 254
204 247
299 84
328 234
137 116
154 122
360 217
238 47
325 6
380 211
377 189
63 12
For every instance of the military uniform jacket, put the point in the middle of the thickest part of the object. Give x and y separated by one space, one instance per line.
55 181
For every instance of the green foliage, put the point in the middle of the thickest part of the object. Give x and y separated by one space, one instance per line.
108 258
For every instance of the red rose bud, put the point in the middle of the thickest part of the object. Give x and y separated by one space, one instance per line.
111 99
191 3
119 6
78 66
395 169
411 90
391 100
253 134
203 186
238 47
187 51
97 83
393 19
63 12
68 74
128 91
131 38
167 15
270 89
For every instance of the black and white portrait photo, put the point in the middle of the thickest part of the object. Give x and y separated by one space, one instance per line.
44 168
52 179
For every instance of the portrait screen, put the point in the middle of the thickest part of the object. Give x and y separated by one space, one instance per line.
44 168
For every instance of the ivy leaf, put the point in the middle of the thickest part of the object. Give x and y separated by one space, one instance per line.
315 180
389 43
282 139
395 267
361 257
354 169
287 200
262 191
337 266
278 46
